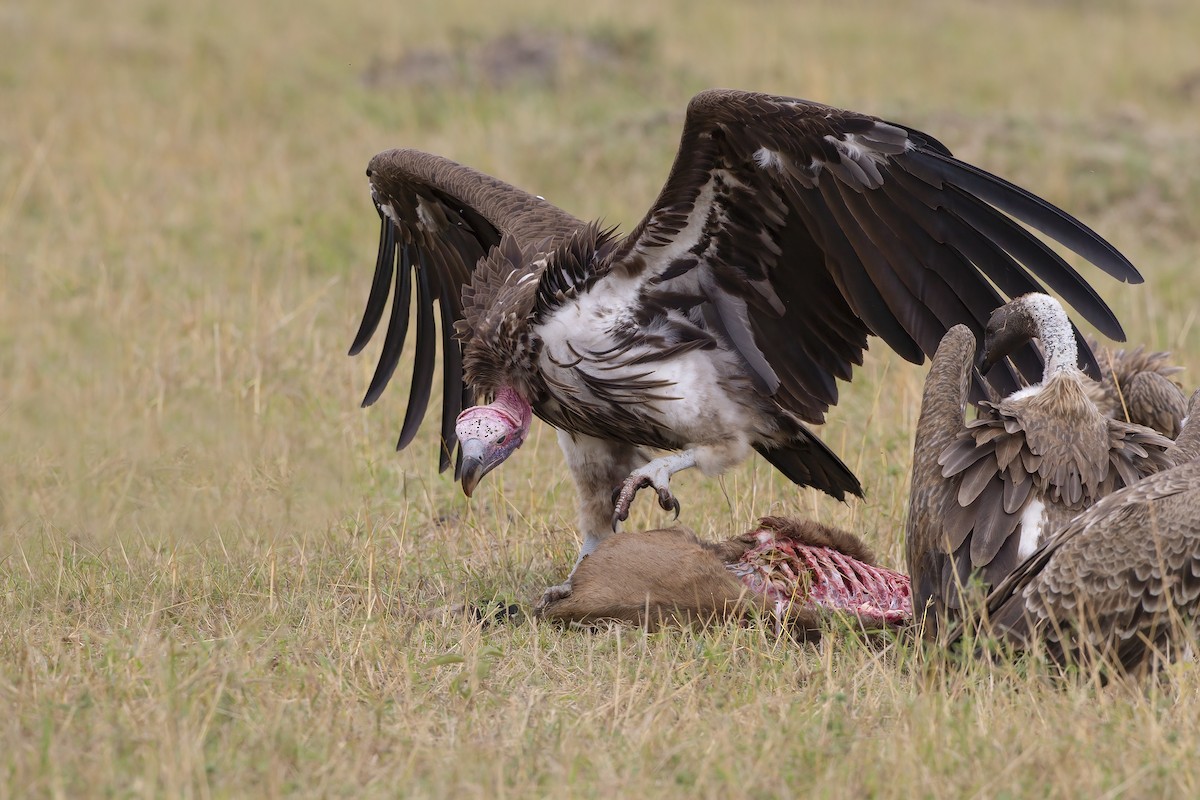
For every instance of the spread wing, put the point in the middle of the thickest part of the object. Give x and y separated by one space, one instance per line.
1114 569
806 228
437 220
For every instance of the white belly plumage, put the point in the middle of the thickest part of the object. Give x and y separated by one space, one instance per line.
691 394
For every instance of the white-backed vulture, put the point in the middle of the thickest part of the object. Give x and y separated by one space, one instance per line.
1139 387
986 493
1121 582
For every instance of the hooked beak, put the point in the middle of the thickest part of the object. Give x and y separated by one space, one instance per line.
473 467
990 353
983 362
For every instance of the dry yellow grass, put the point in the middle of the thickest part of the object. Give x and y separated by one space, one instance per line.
212 564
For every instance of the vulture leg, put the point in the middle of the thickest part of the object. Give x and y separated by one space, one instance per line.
657 474
596 466
712 459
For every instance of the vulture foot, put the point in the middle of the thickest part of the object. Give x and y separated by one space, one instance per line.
554 593
638 479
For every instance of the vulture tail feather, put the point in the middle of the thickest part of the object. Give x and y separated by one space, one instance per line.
807 461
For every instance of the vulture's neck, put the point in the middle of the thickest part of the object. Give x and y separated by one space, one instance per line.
1054 331
510 403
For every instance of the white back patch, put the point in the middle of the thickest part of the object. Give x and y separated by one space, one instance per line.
1033 520
1028 391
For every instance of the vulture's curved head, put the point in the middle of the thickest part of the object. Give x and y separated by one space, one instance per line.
487 435
1013 324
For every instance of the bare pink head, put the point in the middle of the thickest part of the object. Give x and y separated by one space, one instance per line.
489 434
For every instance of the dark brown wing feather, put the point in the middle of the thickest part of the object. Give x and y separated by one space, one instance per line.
438 219
821 226
1115 581
943 404
1052 447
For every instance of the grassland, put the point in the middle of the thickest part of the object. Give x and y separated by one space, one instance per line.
215 573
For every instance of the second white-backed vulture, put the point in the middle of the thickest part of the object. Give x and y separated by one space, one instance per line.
986 493
1121 583
1139 387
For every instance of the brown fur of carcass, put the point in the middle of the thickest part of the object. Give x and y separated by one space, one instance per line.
669 576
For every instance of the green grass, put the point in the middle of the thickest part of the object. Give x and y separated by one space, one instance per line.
218 579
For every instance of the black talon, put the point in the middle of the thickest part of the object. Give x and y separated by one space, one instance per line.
623 497
616 501
624 494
